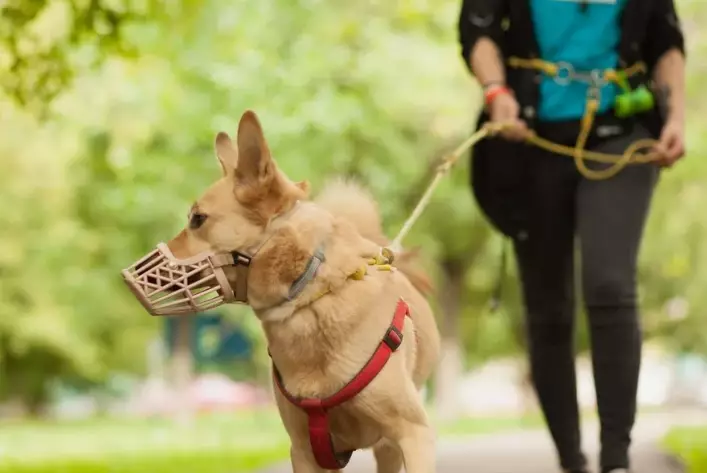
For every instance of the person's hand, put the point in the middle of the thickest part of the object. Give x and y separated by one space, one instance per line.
671 146
503 108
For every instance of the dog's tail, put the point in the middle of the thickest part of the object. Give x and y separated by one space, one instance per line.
349 200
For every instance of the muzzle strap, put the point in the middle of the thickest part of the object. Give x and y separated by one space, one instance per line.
241 291
242 264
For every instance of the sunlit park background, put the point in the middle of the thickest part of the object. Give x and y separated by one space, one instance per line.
108 112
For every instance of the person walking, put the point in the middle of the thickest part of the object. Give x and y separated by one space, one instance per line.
541 63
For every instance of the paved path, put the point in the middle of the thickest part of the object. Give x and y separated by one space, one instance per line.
531 451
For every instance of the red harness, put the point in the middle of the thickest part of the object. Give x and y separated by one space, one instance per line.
317 409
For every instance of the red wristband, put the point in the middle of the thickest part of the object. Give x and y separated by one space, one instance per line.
492 92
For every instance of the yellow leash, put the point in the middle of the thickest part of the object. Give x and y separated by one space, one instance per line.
489 129
565 73
637 153
633 153
631 156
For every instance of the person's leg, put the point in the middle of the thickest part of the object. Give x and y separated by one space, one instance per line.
610 220
545 261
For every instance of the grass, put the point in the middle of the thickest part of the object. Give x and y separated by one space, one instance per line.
690 444
164 462
224 443
227 443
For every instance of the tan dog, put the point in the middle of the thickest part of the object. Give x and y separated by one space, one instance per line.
323 337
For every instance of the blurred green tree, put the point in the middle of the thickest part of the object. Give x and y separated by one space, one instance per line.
372 90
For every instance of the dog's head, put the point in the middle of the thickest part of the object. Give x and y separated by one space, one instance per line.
229 220
234 211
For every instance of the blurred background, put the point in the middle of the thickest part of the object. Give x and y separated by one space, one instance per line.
108 111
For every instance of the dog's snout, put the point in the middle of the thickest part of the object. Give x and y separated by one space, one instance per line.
166 284
154 266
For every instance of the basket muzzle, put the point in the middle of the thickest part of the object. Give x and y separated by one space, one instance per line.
165 285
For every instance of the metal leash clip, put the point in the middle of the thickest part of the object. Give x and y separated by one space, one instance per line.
566 73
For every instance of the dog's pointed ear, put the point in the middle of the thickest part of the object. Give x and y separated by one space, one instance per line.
254 160
226 153
304 187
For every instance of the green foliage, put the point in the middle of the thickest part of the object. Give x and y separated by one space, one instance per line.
43 44
690 445
375 90
131 148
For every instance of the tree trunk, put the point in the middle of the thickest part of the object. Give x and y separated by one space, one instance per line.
451 366
182 369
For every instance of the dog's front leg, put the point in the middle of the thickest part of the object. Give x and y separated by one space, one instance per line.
418 446
303 461
389 458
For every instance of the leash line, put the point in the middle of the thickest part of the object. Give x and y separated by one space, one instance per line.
638 152
442 170
632 155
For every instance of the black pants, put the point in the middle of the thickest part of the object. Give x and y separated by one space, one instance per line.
608 218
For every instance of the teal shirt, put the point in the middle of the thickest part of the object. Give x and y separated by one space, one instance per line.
588 40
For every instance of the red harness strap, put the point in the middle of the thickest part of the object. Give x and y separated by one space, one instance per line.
317 409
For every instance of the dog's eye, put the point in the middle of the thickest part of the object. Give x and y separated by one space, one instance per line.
196 220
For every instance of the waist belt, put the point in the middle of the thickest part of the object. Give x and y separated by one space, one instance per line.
563 72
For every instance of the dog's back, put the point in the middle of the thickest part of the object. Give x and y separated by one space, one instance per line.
349 200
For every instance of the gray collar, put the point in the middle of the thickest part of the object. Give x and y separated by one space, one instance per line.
308 275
